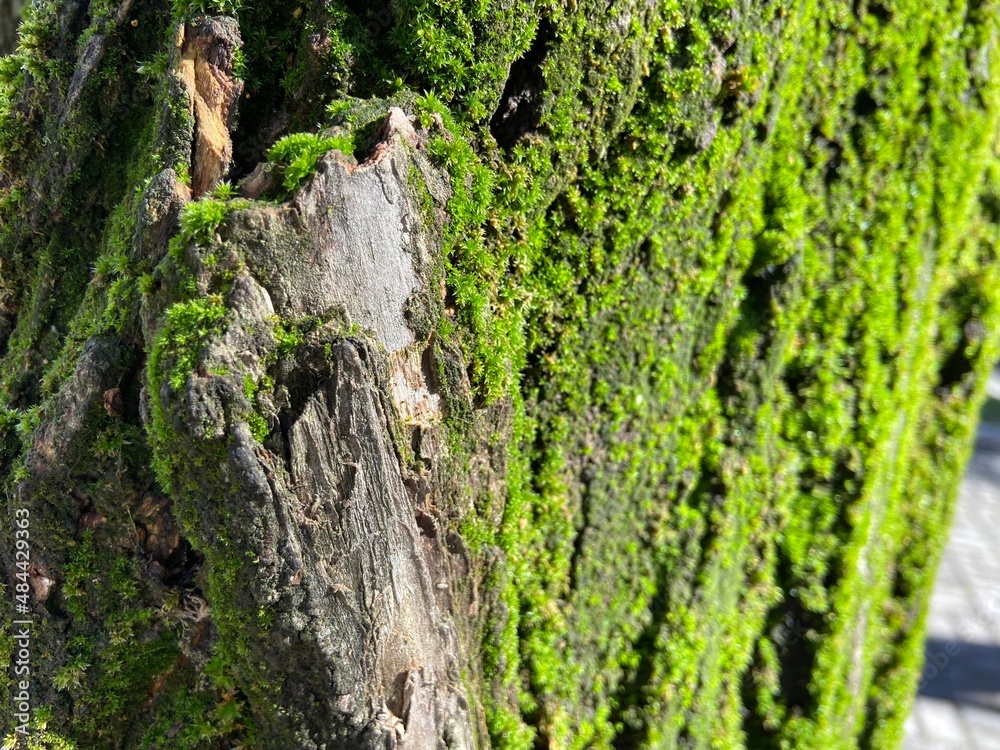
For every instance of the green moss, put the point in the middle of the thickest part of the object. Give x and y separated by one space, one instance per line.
187 8
105 665
297 154
186 326
194 720
767 397
40 737
722 264
199 221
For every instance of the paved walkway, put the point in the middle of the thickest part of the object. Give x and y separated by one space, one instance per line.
958 707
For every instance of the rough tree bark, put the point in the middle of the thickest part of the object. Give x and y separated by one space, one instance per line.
498 374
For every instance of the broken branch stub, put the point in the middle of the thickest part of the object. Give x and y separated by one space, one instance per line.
360 648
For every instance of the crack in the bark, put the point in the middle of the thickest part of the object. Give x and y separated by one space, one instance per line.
520 112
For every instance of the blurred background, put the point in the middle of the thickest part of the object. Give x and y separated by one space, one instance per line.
958 705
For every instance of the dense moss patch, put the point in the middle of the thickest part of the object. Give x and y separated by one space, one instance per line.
731 267
723 328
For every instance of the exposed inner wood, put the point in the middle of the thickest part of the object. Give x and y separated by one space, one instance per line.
205 57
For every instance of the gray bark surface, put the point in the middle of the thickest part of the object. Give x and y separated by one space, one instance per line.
327 507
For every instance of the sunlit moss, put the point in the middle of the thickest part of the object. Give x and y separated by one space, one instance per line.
733 268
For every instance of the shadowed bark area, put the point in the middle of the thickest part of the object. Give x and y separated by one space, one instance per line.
487 375
10 17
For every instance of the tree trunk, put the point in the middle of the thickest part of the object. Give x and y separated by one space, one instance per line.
486 375
10 15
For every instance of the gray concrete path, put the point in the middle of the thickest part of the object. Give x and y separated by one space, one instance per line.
958 706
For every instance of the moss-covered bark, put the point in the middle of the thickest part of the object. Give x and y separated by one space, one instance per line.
541 375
